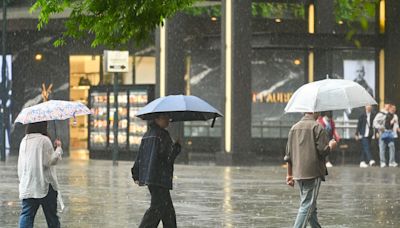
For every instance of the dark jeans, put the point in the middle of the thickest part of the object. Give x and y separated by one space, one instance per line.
49 206
366 152
161 208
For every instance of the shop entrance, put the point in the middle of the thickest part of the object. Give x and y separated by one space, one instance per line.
84 72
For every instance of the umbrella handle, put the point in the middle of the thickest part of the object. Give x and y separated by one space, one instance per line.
213 122
55 129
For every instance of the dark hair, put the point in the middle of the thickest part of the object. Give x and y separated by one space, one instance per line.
39 127
388 119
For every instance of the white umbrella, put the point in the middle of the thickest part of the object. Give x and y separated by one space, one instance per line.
329 94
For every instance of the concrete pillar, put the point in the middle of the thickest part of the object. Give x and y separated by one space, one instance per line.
170 66
324 24
392 52
236 78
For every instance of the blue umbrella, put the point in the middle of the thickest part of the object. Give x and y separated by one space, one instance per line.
179 108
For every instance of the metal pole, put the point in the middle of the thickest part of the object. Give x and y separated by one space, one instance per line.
115 148
3 85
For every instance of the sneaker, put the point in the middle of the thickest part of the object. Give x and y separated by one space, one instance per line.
329 165
371 163
393 164
383 165
363 164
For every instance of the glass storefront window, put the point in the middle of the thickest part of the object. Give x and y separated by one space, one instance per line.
355 16
203 64
205 9
84 72
359 66
278 10
203 80
276 74
273 17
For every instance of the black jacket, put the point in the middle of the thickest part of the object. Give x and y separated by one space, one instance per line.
154 163
362 122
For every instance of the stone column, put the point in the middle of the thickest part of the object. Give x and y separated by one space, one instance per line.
324 24
174 66
392 52
236 78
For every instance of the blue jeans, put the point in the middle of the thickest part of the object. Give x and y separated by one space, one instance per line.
49 206
366 152
382 151
308 205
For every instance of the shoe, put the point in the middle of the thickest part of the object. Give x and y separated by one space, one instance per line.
329 165
393 164
363 164
383 165
371 163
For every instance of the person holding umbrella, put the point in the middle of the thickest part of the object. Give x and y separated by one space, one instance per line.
154 167
38 183
308 145
37 176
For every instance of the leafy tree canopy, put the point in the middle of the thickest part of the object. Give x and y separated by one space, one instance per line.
111 22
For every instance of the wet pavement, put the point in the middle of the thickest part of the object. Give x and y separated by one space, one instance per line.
96 194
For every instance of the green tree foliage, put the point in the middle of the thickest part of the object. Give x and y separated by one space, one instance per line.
110 22
117 22
278 10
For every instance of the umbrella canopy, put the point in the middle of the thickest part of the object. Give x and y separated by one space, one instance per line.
179 108
329 94
52 110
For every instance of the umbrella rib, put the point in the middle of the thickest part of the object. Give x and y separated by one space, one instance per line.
184 103
347 97
316 99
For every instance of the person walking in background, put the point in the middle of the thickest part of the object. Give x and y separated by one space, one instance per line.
384 123
154 167
328 124
308 145
364 133
396 130
38 184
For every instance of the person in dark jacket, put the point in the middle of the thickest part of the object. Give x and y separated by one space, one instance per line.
364 132
154 167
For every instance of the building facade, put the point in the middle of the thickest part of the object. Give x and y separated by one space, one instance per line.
244 57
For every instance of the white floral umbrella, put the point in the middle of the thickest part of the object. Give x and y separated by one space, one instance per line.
52 110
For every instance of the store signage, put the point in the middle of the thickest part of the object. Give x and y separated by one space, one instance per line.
279 97
116 61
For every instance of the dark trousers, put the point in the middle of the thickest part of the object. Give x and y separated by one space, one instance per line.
49 206
161 208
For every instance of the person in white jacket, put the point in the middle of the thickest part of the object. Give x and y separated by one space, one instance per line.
37 176
380 123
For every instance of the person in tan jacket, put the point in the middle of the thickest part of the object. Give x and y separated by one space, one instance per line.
306 149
